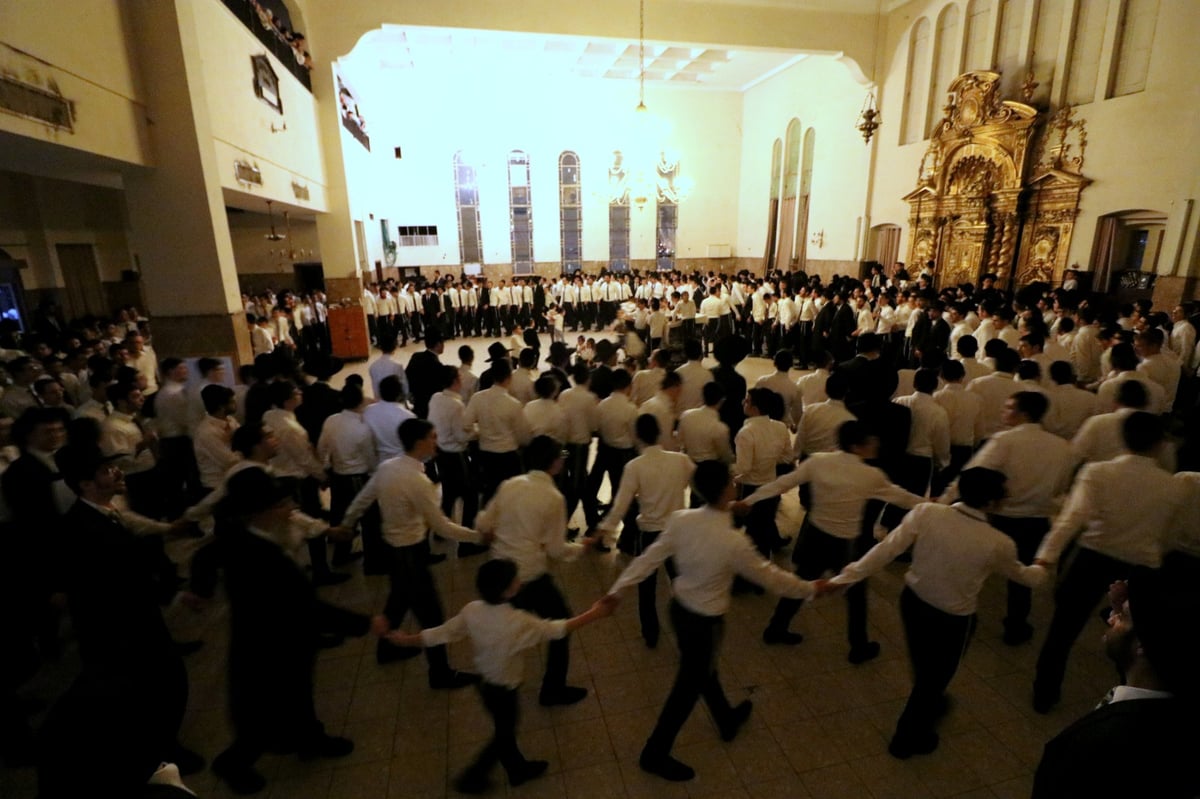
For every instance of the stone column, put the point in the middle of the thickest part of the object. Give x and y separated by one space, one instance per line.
180 234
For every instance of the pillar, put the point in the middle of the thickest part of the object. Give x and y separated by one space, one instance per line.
180 234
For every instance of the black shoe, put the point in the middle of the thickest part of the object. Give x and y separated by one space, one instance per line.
240 779
1017 635
567 695
187 761
572 533
531 770
326 746
785 637
467 549
861 654
452 680
329 578
390 653
1044 699
666 767
737 717
472 784
185 648
904 748
651 638
433 559
347 559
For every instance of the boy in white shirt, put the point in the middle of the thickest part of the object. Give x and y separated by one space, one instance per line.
499 634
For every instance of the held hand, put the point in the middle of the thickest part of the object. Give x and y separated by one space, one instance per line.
1118 594
380 626
401 638
488 538
340 533
603 607
1045 564
184 527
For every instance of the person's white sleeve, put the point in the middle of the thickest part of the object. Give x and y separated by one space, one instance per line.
556 543
307 525
620 504
1008 565
534 630
743 454
893 494
361 501
648 562
781 485
1072 519
453 630
750 564
880 555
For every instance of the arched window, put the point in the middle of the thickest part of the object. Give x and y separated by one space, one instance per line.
1046 39
945 64
667 212
806 174
916 88
793 142
1009 59
773 205
979 32
570 212
1135 41
466 194
618 214
1086 43
520 211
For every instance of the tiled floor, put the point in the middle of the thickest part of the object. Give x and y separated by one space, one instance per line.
820 726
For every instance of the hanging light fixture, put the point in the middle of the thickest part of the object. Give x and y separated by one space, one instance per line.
868 118
272 236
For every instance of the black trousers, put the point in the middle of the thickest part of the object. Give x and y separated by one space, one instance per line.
959 455
699 640
916 476
342 490
1085 583
308 497
455 473
1028 534
575 480
760 522
178 474
541 597
816 553
412 589
610 461
937 642
503 705
494 469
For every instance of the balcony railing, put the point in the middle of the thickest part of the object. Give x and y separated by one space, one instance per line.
271 38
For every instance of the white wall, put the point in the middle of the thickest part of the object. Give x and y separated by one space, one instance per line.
823 95
430 121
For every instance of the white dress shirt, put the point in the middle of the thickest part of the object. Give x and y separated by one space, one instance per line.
469 383
262 342
171 411
658 479
1100 438
578 404
546 418
929 435
695 377
384 420
974 368
1127 509
994 390
347 444
499 635
616 421
781 384
1037 466
214 455
529 518
963 409
708 552
1164 369
1085 353
954 551
386 366
812 388
408 503
521 385
447 414
818 431
301 525
760 446
841 483
1070 407
499 418
121 435
704 437
662 409
1106 395
646 384
296 456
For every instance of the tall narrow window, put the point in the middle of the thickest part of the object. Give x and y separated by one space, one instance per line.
1008 52
916 89
793 142
570 212
945 64
1134 45
1086 44
773 206
1046 39
667 218
806 176
618 214
979 35
520 211
466 192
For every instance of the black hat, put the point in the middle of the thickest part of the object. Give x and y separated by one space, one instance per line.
251 491
323 366
496 352
78 463
559 351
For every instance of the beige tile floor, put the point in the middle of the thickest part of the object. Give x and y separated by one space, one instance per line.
820 726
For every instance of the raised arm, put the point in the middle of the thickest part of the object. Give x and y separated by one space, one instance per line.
880 555
749 563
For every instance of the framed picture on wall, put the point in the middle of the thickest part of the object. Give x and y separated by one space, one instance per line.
266 82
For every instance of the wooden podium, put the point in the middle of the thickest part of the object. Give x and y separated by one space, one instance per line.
348 333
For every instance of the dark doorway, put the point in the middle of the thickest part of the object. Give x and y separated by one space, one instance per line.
81 281
309 277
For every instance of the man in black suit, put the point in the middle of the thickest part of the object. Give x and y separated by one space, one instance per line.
424 372
840 327
866 372
321 400
938 338
276 622
114 592
1147 723
539 304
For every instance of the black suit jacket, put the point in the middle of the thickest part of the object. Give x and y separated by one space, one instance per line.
321 401
423 379
867 378
731 412
539 298
920 331
31 544
939 336
1139 747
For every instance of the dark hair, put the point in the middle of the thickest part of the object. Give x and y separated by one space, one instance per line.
1132 394
528 358
836 386
713 392
466 354
412 431
979 487
33 417
247 437
953 371
1062 373
768 402
693 350
432 338
391 389
1066 324
783 360
280 392
1033 404
168 364
119 392
925 381
967 346
671 380
710 480
1142 432
852 434
1007 361
869 342
620 379
206 365
1029 370
215 397
1034 340
494 578
541 453
545 386
500 372
648 428
388 343
352 396
1123 357
580 373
